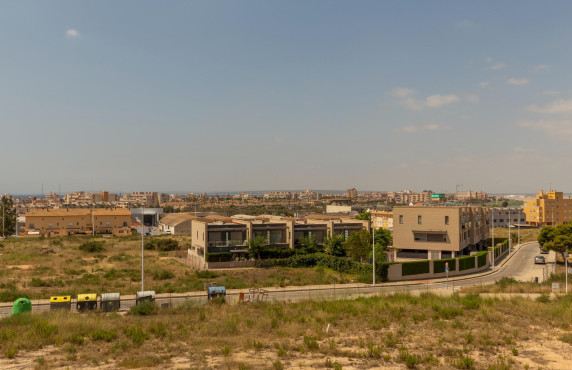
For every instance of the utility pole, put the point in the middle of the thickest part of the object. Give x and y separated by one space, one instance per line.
3 216
509 238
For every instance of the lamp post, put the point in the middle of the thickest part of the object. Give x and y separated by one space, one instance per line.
143 249
509 238
493 233
373 244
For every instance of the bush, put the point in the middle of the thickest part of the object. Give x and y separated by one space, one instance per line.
439 265
414 268
277 253
218 257
163 275
144 309
466 263
92 246
104 335
162 244
206 274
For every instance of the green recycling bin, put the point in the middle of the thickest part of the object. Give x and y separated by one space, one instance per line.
21 305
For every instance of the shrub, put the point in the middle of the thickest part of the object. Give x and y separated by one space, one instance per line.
104 335
10 352
138 336
92 246
439 265
161 244
414 268
144 309
163 275
218 257
466 263
544 298
277 253
471 301
206 274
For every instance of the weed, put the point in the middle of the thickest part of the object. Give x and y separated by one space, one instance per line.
464 362
514 351
411 361
10 352
226 350
311 343
277 365
138 336
158 330
566 338
544 298
104 335
469 337
76 338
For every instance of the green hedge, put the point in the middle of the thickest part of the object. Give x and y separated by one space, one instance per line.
339 264
218 257
482 258
414 268
439 265
466 263
277 253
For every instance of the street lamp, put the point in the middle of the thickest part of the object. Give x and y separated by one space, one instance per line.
373 243
493 233
143 249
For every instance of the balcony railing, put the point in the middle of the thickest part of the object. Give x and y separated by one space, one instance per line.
227 243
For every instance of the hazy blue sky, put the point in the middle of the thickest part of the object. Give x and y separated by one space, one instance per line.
250 95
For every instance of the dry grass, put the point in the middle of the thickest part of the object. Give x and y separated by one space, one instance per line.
526 235
428 331
64 269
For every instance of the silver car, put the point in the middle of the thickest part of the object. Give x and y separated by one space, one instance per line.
539 260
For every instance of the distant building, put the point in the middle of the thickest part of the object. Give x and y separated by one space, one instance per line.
503 217
333 208
177 223
551 209
469 196
351 193
58 222
439 232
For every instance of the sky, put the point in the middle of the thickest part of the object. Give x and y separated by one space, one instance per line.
195 96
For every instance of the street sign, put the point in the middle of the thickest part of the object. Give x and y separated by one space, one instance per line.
556 287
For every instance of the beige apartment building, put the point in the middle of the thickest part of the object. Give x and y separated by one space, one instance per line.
59 222
212 234
439 232
548 209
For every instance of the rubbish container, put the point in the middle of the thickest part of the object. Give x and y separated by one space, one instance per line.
21 305
110 302
86 301
216 291
60 302
145 296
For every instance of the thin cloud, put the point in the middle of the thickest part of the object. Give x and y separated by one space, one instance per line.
541 67
422 128
484 84
471 98
518 81
402 92
497 66
559 106
561 129
550 92
72 34
435 101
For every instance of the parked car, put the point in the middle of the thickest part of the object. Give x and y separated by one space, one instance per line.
542 251
539 260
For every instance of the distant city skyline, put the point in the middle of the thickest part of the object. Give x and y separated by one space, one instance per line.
248 95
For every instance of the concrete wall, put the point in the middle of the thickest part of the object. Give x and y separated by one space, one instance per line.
395 271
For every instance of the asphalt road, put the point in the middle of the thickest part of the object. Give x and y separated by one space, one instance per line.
520 265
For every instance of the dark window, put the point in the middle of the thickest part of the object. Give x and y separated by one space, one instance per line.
419 220
400 219
446 220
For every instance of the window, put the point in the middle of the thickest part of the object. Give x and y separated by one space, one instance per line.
400 219
419 220
31 226
446 220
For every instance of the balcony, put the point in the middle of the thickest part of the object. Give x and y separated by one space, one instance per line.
227 243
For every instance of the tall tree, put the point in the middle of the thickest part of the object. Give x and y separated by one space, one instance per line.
358 245
556 238
7 216
335 245
364 215
256 245
383 238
